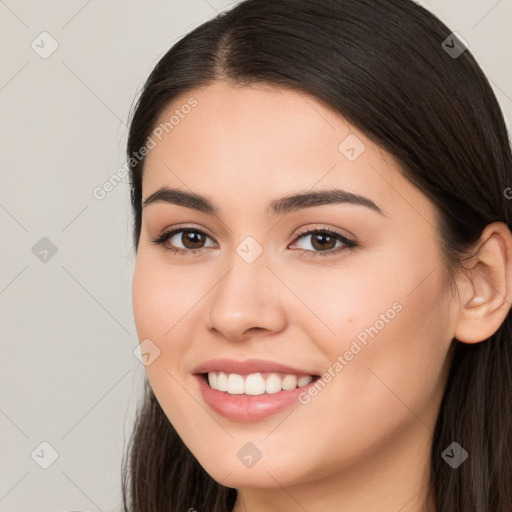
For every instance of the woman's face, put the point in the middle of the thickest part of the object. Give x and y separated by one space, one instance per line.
374 321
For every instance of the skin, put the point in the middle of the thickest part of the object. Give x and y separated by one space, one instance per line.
363 443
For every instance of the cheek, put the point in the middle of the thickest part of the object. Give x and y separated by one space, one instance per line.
166 302
393 349
157 307
158 299
387 340
338 304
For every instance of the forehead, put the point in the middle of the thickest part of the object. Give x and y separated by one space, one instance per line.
261 142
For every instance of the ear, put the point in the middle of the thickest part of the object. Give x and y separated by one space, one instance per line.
485 293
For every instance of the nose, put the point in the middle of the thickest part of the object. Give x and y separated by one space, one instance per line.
247 300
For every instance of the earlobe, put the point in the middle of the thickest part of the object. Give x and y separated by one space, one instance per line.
485 297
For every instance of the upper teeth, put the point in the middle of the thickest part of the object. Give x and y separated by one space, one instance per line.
255 383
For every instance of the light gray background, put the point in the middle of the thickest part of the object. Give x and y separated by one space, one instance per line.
68 373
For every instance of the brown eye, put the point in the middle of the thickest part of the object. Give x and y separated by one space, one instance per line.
323 242
192 239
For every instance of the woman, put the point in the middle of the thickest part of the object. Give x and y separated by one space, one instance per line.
324 267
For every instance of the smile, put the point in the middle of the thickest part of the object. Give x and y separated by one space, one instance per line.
251 389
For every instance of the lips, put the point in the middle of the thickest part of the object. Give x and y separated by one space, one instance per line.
237 404
251 366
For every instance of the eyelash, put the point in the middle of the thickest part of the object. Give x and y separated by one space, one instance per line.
348 244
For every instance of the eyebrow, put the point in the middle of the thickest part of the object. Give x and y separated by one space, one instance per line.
277 206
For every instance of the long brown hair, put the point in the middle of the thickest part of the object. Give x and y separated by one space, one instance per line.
383 66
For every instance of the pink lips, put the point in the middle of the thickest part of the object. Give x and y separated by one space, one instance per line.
249 366
246 407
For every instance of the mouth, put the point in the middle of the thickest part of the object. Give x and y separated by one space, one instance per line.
252 389
255 384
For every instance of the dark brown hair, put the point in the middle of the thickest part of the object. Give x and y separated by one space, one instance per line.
381 65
